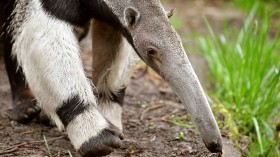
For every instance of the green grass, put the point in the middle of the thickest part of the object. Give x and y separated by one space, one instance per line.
178 121
264 5
245 66
176 21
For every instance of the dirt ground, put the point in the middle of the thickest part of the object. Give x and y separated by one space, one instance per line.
149 108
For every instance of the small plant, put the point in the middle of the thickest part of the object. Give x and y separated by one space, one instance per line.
178 121
245 67
180 136
151 126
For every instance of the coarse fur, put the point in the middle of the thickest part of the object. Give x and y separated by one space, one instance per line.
41 38
50 65
57 66
38 56
24 104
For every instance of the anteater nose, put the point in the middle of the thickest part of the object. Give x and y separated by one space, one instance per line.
215 146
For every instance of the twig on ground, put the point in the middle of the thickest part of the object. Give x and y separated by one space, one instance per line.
27 132
150 108
165 118
174 104
8 151
17 146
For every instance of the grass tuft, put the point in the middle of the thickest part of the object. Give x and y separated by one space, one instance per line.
245 67
264 5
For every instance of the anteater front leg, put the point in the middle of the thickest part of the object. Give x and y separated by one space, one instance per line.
48 52
24 105
113 60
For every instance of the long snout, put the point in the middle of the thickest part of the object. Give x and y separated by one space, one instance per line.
178 72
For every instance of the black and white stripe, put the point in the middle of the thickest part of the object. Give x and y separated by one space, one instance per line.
71 108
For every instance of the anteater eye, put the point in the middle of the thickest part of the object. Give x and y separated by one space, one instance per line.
151 52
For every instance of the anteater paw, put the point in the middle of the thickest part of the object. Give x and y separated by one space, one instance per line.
102 144
24 110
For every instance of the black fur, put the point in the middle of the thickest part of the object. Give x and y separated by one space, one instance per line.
72 11
102 144
15 74
119 97
79 12
70 109
6 8
101 11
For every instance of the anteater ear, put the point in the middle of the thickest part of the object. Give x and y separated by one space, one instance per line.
131 16
170 13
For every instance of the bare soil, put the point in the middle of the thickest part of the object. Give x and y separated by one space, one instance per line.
147 119
148 112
